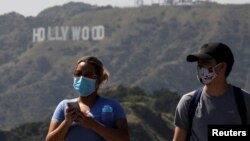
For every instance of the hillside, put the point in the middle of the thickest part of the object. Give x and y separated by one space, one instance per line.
143 47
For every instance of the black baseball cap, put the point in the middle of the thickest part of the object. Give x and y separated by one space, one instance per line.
216 50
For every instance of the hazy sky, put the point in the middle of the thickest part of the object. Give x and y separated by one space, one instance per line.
33 7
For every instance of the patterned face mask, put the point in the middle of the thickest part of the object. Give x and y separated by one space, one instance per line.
206 75
85 86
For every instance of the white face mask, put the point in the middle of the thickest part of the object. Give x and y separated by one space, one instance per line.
206 75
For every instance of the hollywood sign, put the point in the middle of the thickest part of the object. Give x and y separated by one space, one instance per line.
64 33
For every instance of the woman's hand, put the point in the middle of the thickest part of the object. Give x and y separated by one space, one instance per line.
71 115
85 120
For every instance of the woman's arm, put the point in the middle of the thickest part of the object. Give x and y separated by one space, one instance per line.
57 131
120 133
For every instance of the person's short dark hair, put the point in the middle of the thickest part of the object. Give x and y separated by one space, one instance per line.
216 50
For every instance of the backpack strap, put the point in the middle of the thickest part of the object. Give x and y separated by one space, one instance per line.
191 110
240 102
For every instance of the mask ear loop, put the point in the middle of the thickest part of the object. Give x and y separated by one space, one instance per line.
215 68
97 83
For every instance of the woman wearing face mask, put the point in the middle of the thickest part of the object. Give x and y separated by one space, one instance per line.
93 118
218 101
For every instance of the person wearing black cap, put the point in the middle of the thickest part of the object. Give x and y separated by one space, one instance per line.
215 103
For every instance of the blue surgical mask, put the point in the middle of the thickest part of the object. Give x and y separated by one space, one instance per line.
85 86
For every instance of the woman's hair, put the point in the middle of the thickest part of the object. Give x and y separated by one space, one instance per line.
101 71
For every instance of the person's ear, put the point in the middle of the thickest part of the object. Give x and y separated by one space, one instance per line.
221 67
224 65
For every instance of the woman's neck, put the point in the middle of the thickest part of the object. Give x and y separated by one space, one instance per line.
88 100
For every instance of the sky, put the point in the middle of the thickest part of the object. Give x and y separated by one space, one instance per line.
34 7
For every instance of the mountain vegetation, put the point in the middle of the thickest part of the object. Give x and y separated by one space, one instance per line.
144 49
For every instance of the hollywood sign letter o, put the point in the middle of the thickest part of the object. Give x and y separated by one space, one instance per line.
96 32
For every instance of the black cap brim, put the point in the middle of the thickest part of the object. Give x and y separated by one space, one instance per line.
196 57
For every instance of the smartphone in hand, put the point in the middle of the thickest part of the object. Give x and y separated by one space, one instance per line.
74 105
